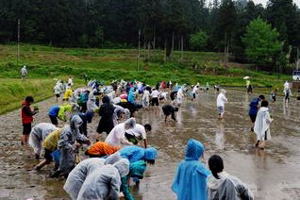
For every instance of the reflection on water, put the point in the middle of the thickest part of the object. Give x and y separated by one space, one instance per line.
220 135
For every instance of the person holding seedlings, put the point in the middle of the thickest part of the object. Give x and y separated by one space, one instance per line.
27 118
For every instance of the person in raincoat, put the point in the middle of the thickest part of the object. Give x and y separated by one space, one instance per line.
49 145
287 92
254 106
120 113
59 112
57 90
37 135
190 179
105 182
106 112
221 185
221 100
179 97
91 106
68 93
101 149
117 135
24 72
136 171
69 135
78 175
262 125
146 98
131 96
135 153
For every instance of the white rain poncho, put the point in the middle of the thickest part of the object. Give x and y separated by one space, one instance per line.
262 124
221 99
78 175
91 104
227 187
104 183
180 95
38 133
120 109
57 89
67 138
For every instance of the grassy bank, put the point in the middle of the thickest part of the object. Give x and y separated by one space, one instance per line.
45 63
15 90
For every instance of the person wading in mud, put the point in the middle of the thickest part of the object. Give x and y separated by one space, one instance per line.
254 106
262 125
27 118
221 100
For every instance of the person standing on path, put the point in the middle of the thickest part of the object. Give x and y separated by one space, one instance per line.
24 72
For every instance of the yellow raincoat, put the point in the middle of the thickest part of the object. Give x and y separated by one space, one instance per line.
62 111
51 140
68 94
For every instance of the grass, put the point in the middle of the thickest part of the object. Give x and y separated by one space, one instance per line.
45 63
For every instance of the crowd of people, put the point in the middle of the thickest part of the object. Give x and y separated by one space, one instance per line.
124 154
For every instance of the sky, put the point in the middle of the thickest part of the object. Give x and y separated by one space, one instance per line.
265 1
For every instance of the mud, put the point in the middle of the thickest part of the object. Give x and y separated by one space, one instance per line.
271 174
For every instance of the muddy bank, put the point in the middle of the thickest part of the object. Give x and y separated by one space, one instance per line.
271 174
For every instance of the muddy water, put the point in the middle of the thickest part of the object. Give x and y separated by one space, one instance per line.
271 174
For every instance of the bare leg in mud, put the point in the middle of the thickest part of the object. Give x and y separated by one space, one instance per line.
41 164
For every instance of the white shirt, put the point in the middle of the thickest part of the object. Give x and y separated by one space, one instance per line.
57 89
70 81
138 131
155 94
146 95
221 100
195 88
116 135
23 71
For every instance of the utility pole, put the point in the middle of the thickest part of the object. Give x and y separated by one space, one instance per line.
298 61
139 44
18 53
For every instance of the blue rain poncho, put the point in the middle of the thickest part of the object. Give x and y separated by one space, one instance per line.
105 182
137 170
78 175
135 153
131 96
191 176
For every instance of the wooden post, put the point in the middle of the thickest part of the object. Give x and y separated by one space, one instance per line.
139 46
18 53
172 48
181 48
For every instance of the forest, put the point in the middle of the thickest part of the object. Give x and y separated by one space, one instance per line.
246 32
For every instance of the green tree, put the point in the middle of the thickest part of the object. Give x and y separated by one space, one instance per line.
261 42
198 41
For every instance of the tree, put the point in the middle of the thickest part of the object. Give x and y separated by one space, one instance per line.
198 41
261 42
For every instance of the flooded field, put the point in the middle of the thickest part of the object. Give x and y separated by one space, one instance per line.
271 174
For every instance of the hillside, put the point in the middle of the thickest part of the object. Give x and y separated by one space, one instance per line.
47 63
